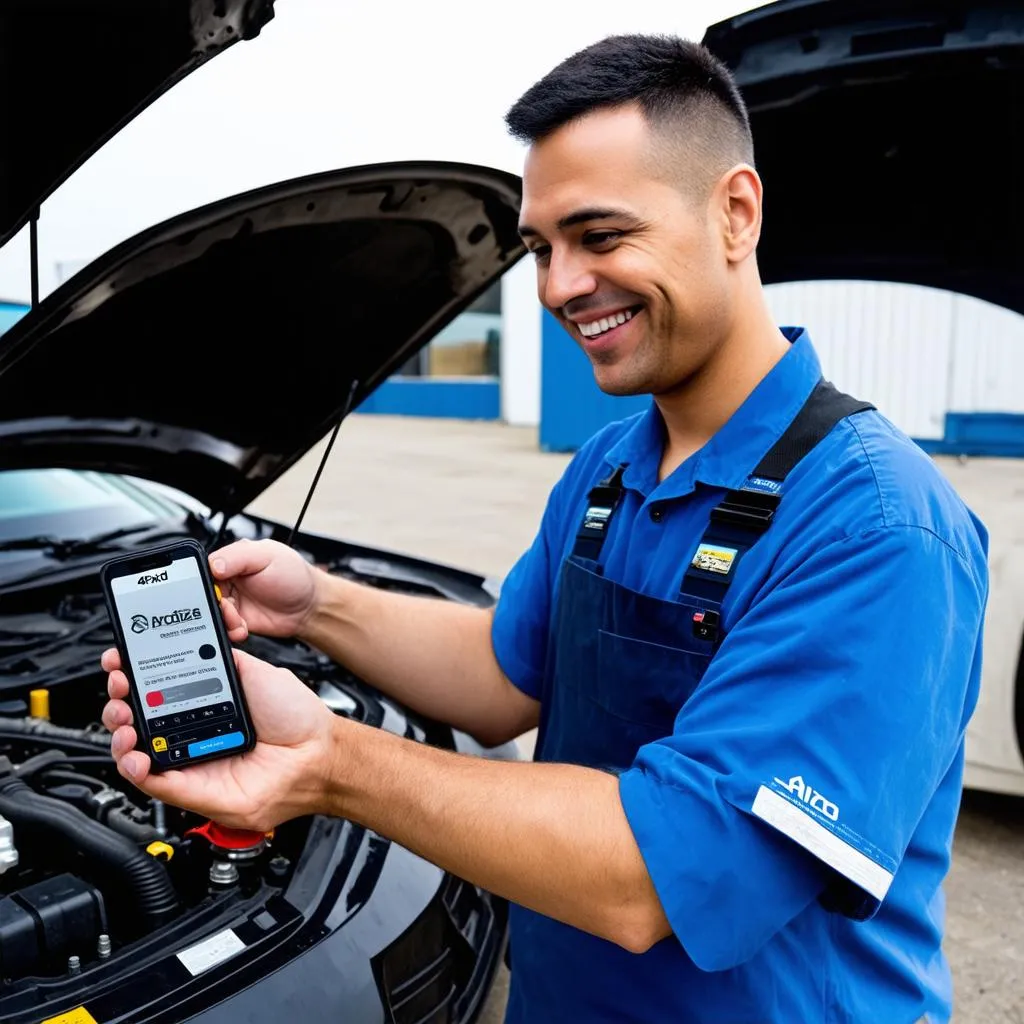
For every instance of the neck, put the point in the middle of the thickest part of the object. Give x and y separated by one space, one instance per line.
700 406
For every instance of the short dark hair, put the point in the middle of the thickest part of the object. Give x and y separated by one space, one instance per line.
679 85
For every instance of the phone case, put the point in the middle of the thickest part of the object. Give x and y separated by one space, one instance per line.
149 562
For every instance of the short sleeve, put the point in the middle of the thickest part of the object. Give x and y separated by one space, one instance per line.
521 625
812 747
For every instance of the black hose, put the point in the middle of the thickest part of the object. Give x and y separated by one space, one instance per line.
48 825
138 832
42 727
31 765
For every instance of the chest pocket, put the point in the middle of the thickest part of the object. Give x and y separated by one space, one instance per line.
645 683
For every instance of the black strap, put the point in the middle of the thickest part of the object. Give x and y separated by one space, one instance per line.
602 502
745 514
824 408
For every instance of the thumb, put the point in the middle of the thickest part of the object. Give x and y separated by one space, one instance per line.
254 673
240 558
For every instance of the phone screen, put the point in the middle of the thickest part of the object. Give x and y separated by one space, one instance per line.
180 676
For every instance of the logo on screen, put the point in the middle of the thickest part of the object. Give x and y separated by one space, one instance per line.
159 577
139 623
173 618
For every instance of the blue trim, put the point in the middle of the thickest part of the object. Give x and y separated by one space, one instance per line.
470 399
998 434
572 407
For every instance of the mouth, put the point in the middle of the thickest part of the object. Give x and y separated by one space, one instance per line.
601 333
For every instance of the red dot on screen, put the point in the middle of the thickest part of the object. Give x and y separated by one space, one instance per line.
154 699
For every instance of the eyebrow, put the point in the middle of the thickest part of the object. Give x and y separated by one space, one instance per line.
580 217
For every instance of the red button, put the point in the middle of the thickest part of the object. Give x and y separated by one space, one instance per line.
154 699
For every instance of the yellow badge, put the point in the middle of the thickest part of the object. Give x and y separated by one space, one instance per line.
714 558
79 1015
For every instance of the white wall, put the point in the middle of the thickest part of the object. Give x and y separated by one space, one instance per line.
520 345
916 353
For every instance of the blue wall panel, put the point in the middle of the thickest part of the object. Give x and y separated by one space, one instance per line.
469 399
572 406
980 434
10 314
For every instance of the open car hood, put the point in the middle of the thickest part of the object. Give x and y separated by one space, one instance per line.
212 351
105 61
889 137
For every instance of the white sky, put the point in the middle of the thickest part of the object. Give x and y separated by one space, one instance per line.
330 84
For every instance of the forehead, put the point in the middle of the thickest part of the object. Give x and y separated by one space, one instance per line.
599 160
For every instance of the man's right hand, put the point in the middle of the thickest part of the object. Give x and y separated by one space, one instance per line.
267 588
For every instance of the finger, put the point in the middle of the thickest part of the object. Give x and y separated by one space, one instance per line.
236 625
123 740
116 714
117 685
110 660
242 558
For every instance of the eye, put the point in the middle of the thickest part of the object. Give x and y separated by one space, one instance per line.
541 252
601 239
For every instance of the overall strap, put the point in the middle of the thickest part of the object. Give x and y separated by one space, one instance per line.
744 515
602 502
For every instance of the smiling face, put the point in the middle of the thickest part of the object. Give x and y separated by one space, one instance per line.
637 264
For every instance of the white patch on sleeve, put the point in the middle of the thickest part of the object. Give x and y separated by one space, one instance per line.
860 869
212 951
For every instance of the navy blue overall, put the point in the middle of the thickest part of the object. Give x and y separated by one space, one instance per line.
606 636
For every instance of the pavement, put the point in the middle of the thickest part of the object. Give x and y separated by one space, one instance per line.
471 494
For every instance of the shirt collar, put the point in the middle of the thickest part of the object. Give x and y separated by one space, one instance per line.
733 453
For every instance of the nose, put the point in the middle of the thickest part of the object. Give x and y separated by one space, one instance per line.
567 276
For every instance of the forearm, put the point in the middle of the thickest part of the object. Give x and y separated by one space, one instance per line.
434 656
551 837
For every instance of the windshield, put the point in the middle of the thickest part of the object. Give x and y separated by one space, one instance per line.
71 504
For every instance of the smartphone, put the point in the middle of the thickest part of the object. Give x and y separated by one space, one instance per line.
183 688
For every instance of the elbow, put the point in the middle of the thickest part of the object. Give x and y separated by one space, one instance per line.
636 929
495 734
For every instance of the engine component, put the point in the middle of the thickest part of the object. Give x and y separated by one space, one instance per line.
8 851
41 727
39 703
42 923
232 848
50 826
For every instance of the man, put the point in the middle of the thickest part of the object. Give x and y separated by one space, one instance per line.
751 710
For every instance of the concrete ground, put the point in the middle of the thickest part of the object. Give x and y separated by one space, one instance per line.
471 494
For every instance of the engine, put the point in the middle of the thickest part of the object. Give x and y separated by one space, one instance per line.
90 867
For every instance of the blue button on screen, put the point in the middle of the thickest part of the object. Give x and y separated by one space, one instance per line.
232 739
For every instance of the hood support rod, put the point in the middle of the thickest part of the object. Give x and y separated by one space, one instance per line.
345 410
33 244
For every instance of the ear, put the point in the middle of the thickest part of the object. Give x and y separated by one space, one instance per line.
739 193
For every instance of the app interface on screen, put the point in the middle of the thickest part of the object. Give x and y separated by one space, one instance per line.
179 672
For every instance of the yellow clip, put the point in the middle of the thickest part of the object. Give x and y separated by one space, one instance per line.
39 703
161 850
216 590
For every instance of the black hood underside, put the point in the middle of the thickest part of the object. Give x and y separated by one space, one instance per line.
890 138
212 351
74 72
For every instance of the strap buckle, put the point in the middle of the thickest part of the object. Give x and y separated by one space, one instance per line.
750 510
707 625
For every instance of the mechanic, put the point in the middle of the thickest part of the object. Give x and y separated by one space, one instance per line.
749 626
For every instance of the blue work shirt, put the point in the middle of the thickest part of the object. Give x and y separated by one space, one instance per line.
824 741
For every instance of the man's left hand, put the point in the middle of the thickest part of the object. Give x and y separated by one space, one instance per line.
281 778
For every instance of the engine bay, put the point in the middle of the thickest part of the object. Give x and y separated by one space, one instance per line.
90 867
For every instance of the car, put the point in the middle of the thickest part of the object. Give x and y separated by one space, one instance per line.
113 906
879 128
306 295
